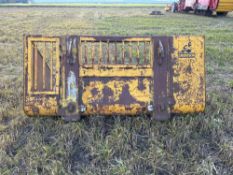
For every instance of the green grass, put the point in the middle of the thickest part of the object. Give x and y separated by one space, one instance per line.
188 144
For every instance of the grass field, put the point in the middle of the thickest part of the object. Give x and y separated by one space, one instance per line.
190 144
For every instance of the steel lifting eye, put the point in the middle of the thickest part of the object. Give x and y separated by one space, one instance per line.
71 43
161 53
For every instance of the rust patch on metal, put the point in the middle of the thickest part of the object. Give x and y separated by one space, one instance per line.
141 86
126 98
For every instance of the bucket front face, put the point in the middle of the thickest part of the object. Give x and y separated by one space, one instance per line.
87 75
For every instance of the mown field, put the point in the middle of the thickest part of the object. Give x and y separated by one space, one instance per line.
188 144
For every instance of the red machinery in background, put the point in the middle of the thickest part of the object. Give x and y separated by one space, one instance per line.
203 7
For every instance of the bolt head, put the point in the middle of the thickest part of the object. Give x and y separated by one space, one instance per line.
82 108
150 108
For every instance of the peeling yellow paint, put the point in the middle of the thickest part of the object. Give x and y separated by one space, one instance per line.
116 86
115 109
41 106
189 76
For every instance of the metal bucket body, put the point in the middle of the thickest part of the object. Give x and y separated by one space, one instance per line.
71 76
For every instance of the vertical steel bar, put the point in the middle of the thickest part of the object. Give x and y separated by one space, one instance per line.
80 52
44 68
138 53
35 67
108 52
115 53
130 53
93 53
57 63
100 52
123 52
51 67
145 58
63 83
32 66
151 48
85 52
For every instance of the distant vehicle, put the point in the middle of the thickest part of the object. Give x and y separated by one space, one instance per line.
203 7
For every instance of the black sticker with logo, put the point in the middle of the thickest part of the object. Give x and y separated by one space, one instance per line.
187 52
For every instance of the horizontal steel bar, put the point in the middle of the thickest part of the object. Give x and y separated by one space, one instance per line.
113 38
95 71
